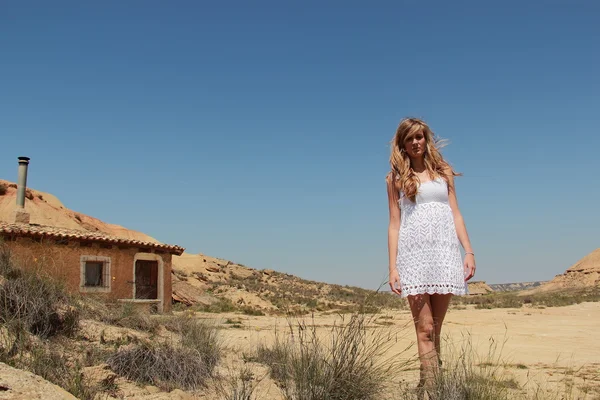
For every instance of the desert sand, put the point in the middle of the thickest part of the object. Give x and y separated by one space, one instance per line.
550 336
551 347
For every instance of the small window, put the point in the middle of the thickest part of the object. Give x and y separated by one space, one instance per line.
95 274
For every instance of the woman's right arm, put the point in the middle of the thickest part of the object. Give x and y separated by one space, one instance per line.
393 230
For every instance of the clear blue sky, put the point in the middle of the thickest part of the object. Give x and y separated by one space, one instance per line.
258 131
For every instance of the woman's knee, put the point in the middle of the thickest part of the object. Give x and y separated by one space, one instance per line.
425 329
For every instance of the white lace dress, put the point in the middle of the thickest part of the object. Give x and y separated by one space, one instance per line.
429 259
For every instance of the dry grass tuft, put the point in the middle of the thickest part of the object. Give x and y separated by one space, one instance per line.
221 305
355 363
464 375
125 314
162 365
33 309
34 302
278 357
240 385
186 364
54 366
198 335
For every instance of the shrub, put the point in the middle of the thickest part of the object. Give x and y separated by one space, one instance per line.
219 306
202 337
34 304
248 310
277 357
123 314
92 355
162 365
239 385
55 367
3 189
182 275
187 364
37 303
130 316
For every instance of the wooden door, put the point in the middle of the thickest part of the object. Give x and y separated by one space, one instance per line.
146 279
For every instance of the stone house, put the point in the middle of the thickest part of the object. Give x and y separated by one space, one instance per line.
117 268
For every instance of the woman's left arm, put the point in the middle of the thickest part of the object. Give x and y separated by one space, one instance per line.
461 230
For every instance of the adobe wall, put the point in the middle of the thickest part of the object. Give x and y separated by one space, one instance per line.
63 262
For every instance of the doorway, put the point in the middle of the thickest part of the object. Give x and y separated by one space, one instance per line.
146 279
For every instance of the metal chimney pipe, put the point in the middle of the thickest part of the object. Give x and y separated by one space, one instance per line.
22 182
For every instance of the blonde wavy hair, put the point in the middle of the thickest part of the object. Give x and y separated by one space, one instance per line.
402 174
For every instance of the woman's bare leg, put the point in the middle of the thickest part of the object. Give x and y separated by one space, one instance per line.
422 312
439 306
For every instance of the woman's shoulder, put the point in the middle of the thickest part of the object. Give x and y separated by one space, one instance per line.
391 179
447 169
392 182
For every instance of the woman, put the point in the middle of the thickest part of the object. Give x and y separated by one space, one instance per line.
423 237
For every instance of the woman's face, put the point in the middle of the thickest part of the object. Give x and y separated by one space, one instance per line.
416 145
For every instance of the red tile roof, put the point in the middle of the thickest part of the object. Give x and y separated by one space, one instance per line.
35 230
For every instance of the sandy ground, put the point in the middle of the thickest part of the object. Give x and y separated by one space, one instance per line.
552 348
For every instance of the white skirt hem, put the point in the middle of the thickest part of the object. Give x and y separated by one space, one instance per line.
457 291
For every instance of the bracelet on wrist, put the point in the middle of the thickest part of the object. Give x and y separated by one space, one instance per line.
470 252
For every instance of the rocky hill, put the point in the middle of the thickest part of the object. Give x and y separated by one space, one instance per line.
584 273
516 286
479 287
